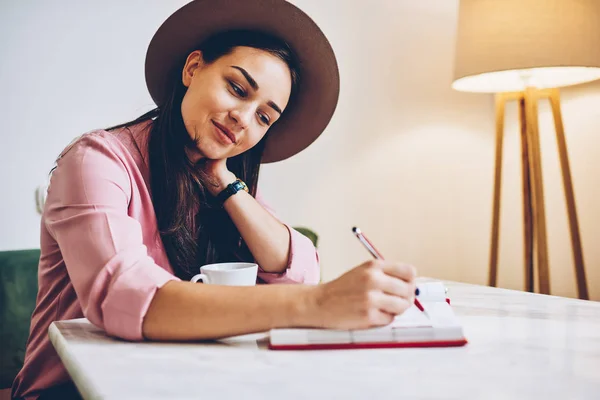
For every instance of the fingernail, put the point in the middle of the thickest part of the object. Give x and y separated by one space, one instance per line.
416 291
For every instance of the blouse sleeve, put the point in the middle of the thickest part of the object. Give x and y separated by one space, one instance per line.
303 259
86 213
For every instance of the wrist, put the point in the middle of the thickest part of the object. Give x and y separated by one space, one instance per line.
304 310
225 179
222 181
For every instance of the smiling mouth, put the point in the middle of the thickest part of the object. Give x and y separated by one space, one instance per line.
225 132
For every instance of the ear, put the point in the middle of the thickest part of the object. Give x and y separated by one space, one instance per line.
193 62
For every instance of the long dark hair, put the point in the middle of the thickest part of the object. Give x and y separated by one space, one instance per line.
193 228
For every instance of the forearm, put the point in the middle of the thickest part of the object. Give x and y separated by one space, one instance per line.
188 311
267 238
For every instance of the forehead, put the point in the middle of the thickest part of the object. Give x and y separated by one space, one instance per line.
270 72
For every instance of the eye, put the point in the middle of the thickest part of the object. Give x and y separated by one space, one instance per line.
238 90
264 119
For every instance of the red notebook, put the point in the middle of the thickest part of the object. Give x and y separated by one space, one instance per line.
440 328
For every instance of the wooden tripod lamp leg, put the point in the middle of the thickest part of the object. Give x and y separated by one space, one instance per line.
493 272
539 213
527 206
569 196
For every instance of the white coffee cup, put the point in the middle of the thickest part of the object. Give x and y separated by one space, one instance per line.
231 274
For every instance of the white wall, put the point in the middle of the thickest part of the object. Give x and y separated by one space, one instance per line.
67 67
405 158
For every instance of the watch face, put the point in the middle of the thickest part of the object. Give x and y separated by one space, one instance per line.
240 185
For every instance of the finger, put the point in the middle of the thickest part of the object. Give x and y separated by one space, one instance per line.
395 287
402 271
391 304
381 318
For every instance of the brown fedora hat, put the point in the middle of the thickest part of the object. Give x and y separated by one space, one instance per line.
317 97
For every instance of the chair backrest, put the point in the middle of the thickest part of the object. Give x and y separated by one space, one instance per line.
18 291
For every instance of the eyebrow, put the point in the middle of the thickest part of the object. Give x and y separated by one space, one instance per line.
254 85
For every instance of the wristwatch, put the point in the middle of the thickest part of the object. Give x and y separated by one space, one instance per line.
231 189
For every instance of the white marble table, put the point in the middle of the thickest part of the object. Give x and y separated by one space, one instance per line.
521 346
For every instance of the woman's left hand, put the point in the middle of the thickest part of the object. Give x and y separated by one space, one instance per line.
217 169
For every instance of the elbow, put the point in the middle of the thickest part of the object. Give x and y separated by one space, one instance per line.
125 312
113 322
313 271
122 325
303 263
305 269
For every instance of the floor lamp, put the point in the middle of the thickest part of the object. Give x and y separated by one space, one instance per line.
523 51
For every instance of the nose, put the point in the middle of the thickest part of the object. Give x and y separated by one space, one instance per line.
241 116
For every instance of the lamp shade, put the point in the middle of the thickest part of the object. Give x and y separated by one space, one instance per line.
507 45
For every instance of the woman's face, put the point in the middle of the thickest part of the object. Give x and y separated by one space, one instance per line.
230 103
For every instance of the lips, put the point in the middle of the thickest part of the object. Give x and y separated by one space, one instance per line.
225 131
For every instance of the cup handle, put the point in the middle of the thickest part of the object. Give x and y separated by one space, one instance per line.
198 277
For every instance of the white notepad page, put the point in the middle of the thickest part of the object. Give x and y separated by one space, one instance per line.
439 324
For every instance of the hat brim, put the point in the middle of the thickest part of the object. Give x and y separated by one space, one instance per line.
304 120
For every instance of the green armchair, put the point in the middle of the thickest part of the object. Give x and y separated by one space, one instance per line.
18 291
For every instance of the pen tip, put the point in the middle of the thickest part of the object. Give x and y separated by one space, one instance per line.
355 230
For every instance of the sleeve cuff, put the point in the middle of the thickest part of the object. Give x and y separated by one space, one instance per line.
129 298
303 262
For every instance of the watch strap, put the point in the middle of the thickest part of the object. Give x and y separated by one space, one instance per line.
231 189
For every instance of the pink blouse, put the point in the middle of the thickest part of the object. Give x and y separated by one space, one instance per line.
101 255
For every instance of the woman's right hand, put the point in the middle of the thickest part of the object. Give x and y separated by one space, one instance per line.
367 296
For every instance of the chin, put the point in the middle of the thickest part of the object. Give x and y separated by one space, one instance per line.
212 152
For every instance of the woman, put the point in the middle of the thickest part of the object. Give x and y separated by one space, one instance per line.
133 211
